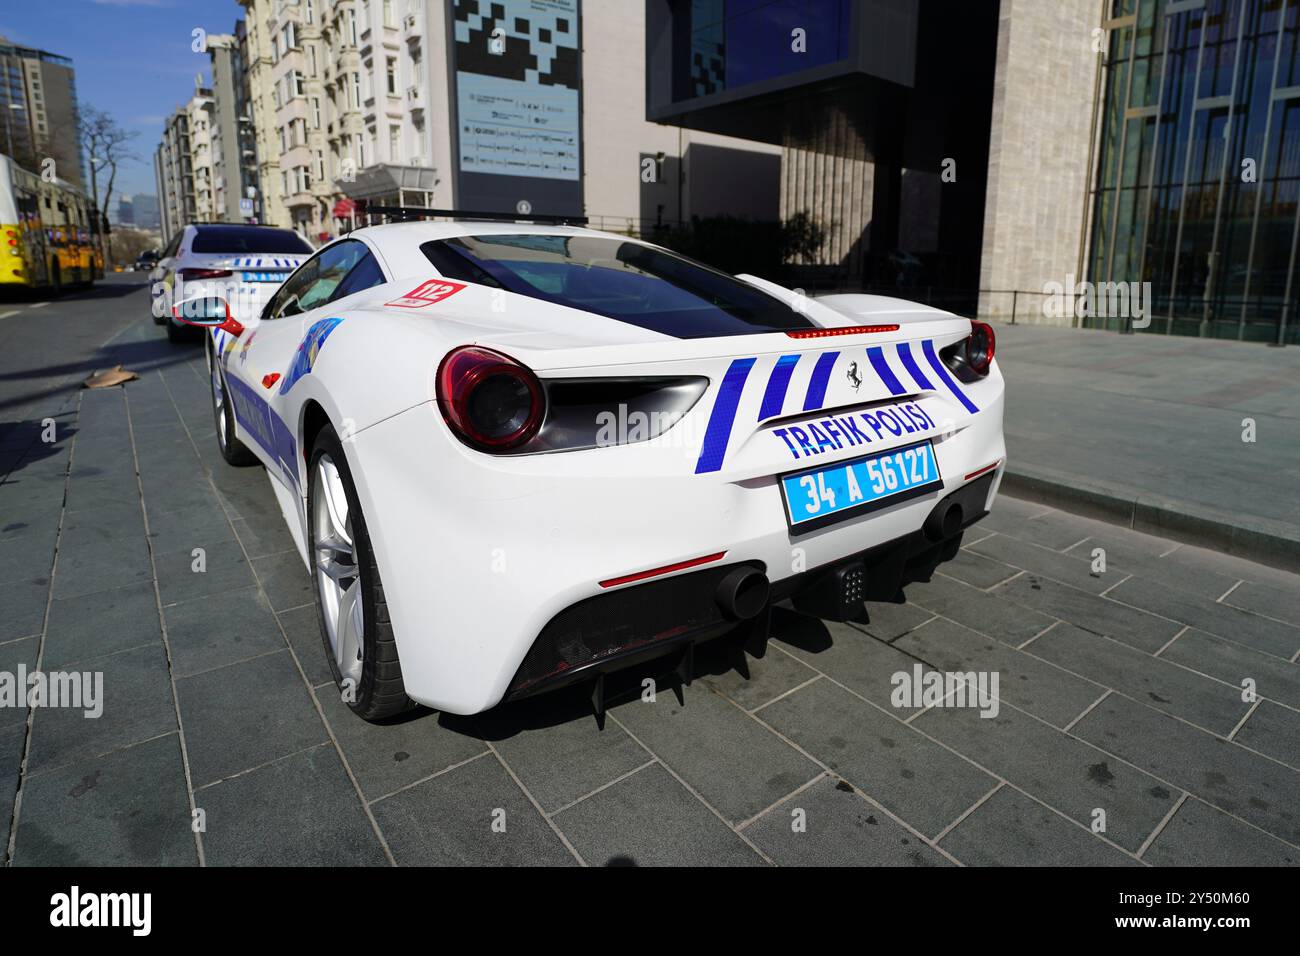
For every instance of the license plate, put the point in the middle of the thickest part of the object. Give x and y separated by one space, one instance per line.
265 276
822 496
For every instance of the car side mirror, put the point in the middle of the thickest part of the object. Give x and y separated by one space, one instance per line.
209 312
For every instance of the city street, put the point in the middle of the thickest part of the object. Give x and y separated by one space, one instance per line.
1122 735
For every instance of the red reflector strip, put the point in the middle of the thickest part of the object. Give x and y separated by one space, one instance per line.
668 569
850 330
976 474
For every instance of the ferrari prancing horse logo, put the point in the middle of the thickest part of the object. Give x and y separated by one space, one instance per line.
855 377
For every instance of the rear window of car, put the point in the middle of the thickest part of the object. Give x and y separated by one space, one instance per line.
642 285
249 239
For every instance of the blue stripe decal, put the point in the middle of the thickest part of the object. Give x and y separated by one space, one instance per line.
821 375
914 370
718 432
886 373
928 347
774 397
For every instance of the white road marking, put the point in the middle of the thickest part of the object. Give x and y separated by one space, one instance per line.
5 315
38 305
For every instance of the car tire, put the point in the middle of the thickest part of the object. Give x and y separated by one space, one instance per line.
344 573
233 451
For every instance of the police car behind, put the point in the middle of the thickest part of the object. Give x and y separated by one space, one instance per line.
241 263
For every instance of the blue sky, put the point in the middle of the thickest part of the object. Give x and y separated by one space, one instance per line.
132 57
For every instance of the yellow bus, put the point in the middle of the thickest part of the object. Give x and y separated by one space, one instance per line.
48 232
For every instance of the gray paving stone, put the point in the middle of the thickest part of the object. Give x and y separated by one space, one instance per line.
43 520
302 627
842 829
137 705
285 579
465 802
85 494
1274 677
858 661
989 613
247 497
100 811
1268 600
1058 769
92 625
263 538
1136 628
102 526
888 621
915 778
1221 773
1205 614
220 629
649 819
1191 562
307 814
736 765
1200 835
977 570
26 557
1055 529
1024 681
1274 731
24 609
13 737
1155 682
558 751
246 714
769 677
201 526
1009 829
386 757
1066 568
86 567
12 655
226 570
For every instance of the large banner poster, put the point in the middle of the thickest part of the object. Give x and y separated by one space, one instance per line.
517 73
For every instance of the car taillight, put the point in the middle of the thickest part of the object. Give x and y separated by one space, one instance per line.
190 275
488 399
971 358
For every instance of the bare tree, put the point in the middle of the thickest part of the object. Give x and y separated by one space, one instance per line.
107 146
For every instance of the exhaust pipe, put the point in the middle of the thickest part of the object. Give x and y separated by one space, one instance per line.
743 593
944 521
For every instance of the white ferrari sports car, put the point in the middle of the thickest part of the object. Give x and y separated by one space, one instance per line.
515 456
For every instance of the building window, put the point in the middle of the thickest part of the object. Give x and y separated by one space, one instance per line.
311 58
309 11
315 112
392 76
388 13
352 26
356 91
299 84
395 144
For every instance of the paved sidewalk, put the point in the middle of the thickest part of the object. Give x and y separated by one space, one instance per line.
1120 692
1147 430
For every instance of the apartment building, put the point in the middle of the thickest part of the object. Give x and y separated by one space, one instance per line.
183 164
38 100
235 186
259 86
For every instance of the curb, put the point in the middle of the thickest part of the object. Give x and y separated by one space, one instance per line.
1181 523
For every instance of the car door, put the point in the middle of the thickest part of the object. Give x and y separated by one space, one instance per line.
272 354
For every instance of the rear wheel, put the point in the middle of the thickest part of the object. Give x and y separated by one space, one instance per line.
355 628
232 449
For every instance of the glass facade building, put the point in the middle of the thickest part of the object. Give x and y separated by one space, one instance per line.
1197 187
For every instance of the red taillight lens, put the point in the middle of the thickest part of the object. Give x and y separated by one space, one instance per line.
980 345
488 399
190 275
